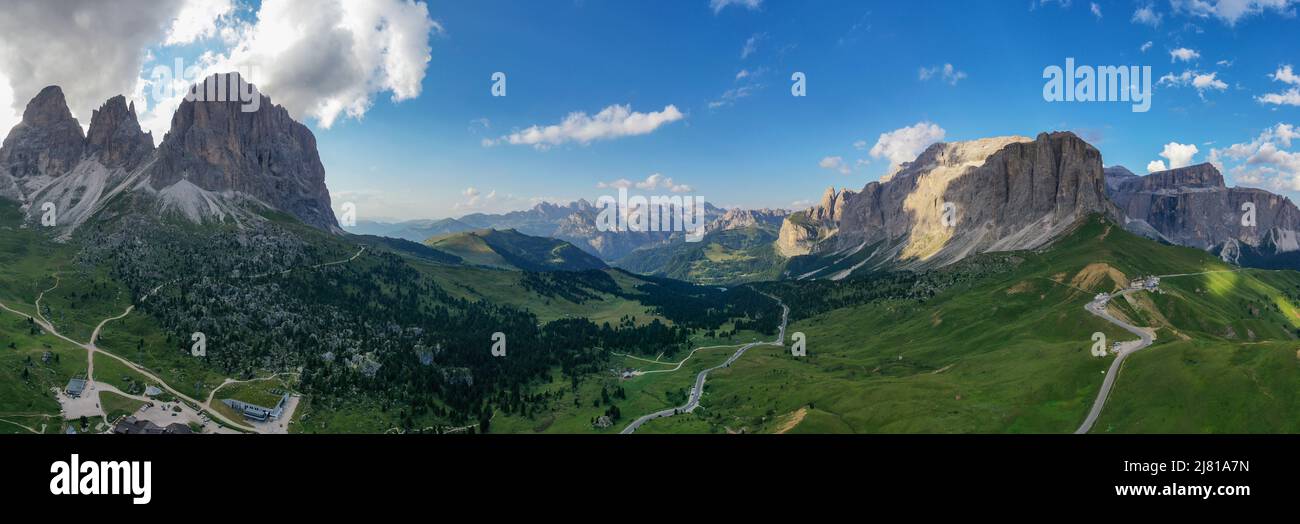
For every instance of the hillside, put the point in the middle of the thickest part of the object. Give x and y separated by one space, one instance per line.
724 257
1000 343
510 249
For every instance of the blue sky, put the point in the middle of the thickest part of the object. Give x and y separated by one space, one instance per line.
416 149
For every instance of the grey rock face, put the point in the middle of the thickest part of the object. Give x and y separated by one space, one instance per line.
214 160
115 137
1191 206
958 199
217 147
47 142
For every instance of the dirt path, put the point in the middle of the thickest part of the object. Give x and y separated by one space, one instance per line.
794 420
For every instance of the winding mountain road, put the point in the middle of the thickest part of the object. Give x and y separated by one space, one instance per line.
697 390
1146 336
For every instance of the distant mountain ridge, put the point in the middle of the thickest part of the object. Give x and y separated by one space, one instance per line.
575 222
510 249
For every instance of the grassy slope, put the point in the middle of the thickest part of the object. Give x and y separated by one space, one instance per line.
722 258
1010 354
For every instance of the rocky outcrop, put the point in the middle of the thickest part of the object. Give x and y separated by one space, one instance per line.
46 144
115 137
737 218
958 199
801 231
1191 206
218 147
217 161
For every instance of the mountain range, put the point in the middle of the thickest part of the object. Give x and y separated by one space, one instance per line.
225 228
216 163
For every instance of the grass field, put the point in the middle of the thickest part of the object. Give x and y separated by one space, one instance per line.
1010 354
117 406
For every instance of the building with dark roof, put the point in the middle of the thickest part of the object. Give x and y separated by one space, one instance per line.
133 426
75 387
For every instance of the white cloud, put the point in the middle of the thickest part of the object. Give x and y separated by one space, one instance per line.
651 183
1184 54
1265 161
1284 74
1179 155
946 72
8 116
1146 46
1290 97
1232 11
860 144
751 45
321 59
903 145
92 49
1200 81
718 5
1147 15
197 20
615 121
835 163
1156 166
1096 10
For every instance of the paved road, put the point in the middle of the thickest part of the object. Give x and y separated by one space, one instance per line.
698 390
1145 338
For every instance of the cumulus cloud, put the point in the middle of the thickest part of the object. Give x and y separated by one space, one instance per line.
197 20
1232 11
1156 166
615 121
653 182
905 144
1266 160
1178 155
945 72
1198 80
1183 54
97 54
718 5
1290 97
1147 15
835 163
1146 46
1096 10
326 59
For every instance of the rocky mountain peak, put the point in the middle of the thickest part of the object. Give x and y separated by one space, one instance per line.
1006 193
115 137
48 140
1192 206
1197 176
224 145
48 109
